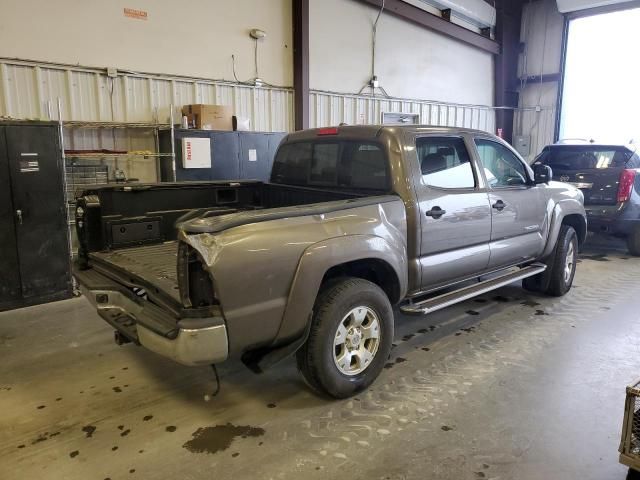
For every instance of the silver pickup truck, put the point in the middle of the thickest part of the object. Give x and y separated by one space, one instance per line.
354 221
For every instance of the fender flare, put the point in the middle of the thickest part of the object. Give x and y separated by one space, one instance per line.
561 210
318 258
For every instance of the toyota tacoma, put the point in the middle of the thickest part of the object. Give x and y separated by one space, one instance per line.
353 221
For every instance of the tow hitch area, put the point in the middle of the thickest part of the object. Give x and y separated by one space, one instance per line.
120 338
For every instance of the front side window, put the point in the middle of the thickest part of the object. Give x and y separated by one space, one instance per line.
445 162
501 166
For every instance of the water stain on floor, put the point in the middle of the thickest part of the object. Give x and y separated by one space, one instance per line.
220 437
530 303
396 361
600 257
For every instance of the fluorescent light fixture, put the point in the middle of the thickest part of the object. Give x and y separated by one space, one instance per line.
475 12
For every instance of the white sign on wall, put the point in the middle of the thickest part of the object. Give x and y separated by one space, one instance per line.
196 152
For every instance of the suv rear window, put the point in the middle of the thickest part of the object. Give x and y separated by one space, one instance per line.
585 158
341 164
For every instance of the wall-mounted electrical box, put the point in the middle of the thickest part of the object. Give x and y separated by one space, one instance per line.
522 144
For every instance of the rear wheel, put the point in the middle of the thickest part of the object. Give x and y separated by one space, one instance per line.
350 338
633 242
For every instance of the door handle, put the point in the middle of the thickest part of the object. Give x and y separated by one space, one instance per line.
499 205
435 212
19 215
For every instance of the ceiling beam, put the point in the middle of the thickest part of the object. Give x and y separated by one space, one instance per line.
427 20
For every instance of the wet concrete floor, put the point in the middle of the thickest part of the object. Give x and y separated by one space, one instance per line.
506 386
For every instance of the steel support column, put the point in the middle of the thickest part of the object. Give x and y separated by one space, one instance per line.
508 21
301 63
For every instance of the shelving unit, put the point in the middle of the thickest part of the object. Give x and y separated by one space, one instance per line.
73 160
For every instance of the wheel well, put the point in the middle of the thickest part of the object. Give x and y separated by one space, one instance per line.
375 270
577 222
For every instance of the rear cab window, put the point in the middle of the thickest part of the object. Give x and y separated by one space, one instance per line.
335 164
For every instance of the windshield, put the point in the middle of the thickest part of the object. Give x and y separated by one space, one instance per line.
336 164
585 158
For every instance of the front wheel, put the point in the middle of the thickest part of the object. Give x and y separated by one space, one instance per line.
560 278
564 265
350 338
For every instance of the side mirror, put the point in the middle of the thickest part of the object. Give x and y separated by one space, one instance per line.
542 173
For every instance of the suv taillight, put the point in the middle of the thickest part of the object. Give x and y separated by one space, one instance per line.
627 177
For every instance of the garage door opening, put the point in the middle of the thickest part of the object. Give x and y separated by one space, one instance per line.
601 98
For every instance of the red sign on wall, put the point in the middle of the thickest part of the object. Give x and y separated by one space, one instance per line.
137 14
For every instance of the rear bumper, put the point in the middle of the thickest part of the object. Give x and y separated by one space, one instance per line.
188 341
612 219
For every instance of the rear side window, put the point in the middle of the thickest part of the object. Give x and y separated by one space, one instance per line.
585 158
341 164
445 162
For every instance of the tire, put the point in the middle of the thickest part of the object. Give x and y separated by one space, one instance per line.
564 268
633 242
347 302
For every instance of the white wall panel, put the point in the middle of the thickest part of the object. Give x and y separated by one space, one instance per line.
542 28
411 61
195 38
538 124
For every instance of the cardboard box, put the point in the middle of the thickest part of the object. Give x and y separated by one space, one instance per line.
210 117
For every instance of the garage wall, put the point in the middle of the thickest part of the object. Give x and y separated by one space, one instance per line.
542 29
194 38
444 81
411 62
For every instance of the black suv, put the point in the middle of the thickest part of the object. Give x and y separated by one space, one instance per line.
609 177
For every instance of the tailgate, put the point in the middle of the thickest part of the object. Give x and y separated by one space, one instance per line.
599 185
149 270
594 169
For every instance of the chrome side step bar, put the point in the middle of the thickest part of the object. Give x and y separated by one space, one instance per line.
446 299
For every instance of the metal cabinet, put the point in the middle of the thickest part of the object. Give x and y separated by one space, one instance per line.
34 245
234 155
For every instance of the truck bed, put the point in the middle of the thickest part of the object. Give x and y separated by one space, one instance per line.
128 233
152 265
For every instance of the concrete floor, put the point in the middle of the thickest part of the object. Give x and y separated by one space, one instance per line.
507 386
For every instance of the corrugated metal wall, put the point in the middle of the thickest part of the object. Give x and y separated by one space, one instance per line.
537 123
31 90
27 89
329 108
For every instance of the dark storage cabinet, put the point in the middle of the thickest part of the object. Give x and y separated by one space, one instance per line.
34 248
234 155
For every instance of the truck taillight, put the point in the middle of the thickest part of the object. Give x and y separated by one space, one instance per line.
627 178
194 282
